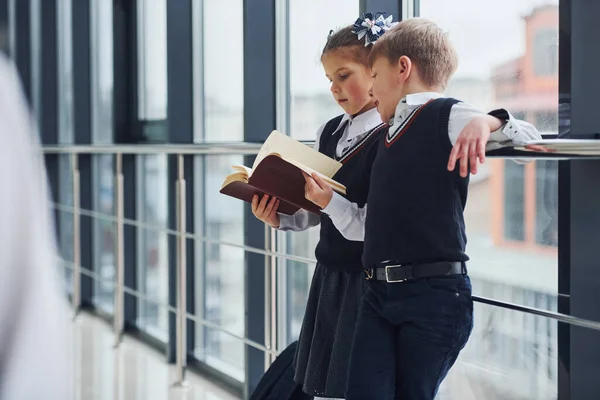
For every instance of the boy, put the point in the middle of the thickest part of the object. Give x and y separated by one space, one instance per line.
417 312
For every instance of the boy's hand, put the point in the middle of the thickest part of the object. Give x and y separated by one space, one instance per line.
317 190
266 210
470 145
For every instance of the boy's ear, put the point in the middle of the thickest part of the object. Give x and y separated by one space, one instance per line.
404 67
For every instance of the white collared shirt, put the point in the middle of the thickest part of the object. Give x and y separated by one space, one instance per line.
515 131
355 130
349 219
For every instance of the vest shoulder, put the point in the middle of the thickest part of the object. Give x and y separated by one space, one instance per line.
331 125
445 102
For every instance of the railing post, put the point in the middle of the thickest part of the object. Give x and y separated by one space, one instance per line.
76 297
181 330
270 295
120 252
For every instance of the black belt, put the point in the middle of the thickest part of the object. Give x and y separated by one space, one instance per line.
401 273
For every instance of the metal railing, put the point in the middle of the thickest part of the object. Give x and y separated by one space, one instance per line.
270 348
181 235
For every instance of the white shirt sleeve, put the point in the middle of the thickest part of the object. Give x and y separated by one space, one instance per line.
35 331
302 219
513 131
347 217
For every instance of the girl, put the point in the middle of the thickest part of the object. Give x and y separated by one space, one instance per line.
322 358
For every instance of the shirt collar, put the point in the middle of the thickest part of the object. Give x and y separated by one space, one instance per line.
414 100
361 123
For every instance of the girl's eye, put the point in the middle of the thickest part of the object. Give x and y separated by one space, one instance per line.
343 77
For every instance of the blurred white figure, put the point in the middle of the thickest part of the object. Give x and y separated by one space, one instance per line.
36 355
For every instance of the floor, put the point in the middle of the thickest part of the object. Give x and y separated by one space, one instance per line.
132 372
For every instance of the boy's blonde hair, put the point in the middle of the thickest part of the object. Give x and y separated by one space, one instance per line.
427 46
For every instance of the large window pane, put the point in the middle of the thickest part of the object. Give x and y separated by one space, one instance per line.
36 56
65 72
65 130
506 61
152 47
153 256
223 80
102 70
510 355
311 101
296 278
102 133
514 201
546 203
219 118
219 268
104 232
65 218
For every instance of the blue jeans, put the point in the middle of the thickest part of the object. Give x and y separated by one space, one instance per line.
408 336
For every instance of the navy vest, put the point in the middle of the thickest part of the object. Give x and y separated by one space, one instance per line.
416 205
333 250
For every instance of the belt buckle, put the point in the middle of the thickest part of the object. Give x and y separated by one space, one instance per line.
387 274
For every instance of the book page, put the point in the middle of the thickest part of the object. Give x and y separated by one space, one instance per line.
565 146
239 176
338 187
290 149
243 168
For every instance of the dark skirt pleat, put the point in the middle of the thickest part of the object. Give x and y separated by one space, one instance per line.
323 353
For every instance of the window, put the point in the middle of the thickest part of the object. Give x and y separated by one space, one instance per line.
510 215
36 56
65 130
153 256
510 355
101 15
152 181
545 52
219 117
298 280
104 232
546 121
546 197
514 201
311 102
152 53
65 218
223 65
102 70
220 269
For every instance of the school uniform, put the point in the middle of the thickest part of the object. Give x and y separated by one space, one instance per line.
417 314
323 352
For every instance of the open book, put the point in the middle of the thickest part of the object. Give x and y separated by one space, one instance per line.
278 171
584 147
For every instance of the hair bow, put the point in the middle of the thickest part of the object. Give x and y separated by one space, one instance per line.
372 28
